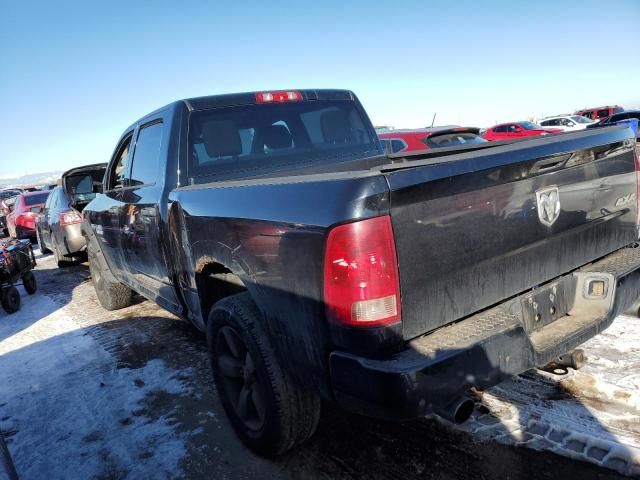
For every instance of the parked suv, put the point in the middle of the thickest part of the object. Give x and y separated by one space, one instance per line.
566 123
615 118
600 112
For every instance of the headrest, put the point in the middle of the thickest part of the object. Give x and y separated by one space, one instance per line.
221 138
277 137
336 127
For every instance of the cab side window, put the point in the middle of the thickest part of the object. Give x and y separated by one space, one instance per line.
116 176
146 157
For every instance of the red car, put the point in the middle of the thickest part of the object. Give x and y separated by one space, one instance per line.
21 222
600 112
514 130
396 141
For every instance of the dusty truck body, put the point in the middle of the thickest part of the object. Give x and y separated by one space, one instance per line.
322 269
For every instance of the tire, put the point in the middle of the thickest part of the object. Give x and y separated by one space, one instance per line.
29 283
269 412
10 299
41 245
61 260
111 294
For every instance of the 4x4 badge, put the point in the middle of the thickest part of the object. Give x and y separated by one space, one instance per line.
548 201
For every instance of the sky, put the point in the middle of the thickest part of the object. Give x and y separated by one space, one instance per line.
74 75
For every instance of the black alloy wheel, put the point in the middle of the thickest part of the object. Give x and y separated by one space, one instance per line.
238 372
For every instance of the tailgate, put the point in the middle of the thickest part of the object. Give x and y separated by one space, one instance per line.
483 226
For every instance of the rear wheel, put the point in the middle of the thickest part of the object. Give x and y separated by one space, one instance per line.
61 260
269 412
10 299
29 283
111 294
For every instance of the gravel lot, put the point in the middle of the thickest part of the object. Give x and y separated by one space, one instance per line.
94 394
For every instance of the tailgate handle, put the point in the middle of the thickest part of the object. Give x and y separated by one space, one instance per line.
549 163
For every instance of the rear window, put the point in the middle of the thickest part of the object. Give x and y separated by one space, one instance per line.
452 139
253 139
35 198
9 194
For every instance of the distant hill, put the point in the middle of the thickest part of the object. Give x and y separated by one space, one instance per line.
30 179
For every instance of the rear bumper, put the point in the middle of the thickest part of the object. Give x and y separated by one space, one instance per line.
73 241
25 232
486 348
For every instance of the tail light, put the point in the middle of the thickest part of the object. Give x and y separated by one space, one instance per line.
70 218
278 97
361 278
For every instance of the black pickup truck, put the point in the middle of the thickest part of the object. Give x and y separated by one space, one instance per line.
321 269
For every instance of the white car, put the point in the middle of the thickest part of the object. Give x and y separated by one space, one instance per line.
568 123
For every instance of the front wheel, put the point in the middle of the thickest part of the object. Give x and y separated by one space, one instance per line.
269 412
41 245
29 283
10 299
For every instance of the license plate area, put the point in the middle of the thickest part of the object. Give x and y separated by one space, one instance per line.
544 306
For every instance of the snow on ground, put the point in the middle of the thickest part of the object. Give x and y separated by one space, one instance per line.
96 423
87 393
592 414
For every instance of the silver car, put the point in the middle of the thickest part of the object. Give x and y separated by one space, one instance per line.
58 227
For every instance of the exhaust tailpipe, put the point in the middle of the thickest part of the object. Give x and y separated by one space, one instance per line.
457 411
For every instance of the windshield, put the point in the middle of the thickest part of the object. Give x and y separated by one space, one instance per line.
35 198
581 119
530 126
260 138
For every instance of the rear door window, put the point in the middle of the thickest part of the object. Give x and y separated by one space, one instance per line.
146 157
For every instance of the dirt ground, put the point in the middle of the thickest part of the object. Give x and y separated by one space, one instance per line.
129 394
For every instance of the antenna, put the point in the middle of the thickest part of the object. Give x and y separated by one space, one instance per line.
433 120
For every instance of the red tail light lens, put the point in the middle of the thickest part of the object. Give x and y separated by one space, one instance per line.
361 278
70 218
278 97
